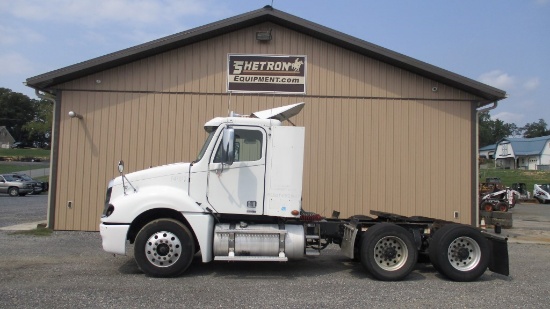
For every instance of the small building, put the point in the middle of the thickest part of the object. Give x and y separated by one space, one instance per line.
487 152
383 131
6 140
523 153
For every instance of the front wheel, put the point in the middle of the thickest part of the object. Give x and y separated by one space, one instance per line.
13 191
459 252
388 252
487 206
164 248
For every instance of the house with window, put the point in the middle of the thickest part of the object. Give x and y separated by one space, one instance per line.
5 138
523 153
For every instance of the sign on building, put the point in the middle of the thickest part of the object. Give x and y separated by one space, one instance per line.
266 73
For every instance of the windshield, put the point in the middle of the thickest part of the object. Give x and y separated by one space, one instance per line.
23 177
211 131
545 187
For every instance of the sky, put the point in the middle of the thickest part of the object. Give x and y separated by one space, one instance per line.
502 43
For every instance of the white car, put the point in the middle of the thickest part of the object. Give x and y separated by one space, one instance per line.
542 193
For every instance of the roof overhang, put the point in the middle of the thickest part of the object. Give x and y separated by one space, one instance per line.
47 81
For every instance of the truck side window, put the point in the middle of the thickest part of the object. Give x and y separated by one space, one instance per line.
248 146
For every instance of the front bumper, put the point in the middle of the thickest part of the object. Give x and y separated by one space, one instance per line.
26 190
113 237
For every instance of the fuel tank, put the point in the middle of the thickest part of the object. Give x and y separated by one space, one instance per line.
259 240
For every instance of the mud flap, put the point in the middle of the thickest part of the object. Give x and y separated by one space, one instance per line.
498 262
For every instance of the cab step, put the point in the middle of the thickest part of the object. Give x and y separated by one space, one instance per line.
251 258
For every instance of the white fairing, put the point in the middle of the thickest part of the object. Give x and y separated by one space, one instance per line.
285 171
280 113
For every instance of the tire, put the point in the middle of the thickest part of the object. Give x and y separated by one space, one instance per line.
501 206
164 248
13 191
487 206
459 252
388 252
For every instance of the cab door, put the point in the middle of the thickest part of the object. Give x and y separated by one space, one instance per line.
239 188
3 185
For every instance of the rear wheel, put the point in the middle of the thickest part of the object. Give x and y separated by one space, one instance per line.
13 191
164 248
502 206
388 252
459 252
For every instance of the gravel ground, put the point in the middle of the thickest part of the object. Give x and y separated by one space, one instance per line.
22 209
69 269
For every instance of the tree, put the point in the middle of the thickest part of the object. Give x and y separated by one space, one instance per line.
39 129
491 131
16 109
485 130
535 129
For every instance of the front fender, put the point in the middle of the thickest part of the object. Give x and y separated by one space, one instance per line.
128 207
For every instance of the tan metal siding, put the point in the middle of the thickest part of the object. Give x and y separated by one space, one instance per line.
377 137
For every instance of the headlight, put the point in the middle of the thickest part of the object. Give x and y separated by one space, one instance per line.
108 208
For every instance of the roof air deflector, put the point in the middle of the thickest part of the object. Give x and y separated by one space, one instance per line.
280 113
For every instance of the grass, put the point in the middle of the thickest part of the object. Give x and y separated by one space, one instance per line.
15 155
39 231
25 153
508 177
4 169
42 178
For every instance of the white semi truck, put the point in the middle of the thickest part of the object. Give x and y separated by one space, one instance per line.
240 200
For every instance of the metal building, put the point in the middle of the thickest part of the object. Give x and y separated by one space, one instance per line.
383 131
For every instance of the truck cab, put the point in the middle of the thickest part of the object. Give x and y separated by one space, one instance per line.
249 168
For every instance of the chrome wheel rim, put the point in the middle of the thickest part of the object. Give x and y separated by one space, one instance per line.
163 249
464 253
390 253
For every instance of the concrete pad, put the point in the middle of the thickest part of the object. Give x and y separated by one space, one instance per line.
24 226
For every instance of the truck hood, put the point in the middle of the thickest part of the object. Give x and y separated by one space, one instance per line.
177 172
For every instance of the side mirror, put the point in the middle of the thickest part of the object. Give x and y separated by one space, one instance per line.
228 142
120 166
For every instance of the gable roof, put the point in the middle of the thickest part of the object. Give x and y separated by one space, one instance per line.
5 136
526 146
267 14
491 147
